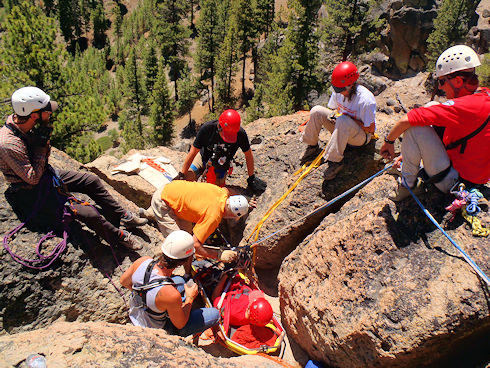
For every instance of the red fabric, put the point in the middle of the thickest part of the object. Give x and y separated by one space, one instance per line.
461 116
238 304
252 336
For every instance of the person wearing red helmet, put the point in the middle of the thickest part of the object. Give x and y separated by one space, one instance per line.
246 305
352 121
215 145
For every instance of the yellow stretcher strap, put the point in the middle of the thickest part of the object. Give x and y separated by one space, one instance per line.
477 228
256 230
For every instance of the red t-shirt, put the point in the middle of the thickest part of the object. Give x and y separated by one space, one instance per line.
461 116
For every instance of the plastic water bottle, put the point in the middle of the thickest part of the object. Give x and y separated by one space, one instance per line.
36 361
190 283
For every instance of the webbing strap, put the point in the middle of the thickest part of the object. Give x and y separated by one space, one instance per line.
463 141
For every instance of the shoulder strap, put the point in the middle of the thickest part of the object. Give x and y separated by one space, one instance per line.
142 290
462 141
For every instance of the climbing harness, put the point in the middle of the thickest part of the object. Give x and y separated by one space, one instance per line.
143 289
326 205
433 220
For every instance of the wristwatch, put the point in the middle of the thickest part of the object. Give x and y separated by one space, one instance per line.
388 141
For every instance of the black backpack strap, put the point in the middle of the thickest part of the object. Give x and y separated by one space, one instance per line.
142 290
462 141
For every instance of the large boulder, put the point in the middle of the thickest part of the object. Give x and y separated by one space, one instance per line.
410 23
376 285
79 286
106 345
277 154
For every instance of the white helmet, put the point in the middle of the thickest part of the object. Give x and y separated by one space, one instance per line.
28 99
238 205
456 58
178 245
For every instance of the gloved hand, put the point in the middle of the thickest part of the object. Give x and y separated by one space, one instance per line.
256 185
179 176
228 256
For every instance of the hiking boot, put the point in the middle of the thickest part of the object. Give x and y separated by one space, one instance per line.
332 170
147 214
310 154
130 241
401 192
129 220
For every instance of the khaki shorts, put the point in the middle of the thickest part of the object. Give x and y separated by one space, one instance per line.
165 217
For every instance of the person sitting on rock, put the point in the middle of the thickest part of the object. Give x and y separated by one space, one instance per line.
214 148
180 204
464 150
160 300
24 152
352 123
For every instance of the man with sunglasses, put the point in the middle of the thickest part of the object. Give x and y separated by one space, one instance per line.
24 153
463 153
353 121
214 148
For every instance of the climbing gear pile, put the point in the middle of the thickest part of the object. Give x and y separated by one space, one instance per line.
467 202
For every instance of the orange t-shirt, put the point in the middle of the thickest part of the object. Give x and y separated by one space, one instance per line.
200 203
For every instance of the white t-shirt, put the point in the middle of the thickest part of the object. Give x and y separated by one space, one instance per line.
362 105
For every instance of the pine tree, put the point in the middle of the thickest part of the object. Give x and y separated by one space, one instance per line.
351 26
264 16
70 19
211 30
100 26
150 62
29 51
172 37
188 93
162 110
132 132
226 63
293 71
451 24
247 28
133 83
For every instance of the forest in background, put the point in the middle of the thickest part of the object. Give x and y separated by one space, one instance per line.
146 64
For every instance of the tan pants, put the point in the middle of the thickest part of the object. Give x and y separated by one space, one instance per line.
421 143
344 131
165 217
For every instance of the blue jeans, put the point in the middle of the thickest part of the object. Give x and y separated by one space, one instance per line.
199 319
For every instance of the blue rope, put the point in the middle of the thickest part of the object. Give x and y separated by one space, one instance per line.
329 203
465 256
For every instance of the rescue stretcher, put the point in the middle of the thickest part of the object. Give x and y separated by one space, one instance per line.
207 276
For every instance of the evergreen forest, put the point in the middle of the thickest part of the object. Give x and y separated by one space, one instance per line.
143 64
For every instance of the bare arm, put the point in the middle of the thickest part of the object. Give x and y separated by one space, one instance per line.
126 277
369 129
169 299
387 150
219 288
188 159
249 159
204 252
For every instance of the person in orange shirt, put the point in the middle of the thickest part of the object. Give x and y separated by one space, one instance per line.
180 204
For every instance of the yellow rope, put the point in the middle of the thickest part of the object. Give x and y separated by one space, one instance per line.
477 228
256 230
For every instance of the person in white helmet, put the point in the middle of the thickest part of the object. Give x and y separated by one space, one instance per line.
464 150
24 153
197 208
161 300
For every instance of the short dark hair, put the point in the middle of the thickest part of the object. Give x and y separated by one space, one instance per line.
22 119
170 263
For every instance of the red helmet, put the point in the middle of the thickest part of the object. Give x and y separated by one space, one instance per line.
260 312
229 124
344 74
